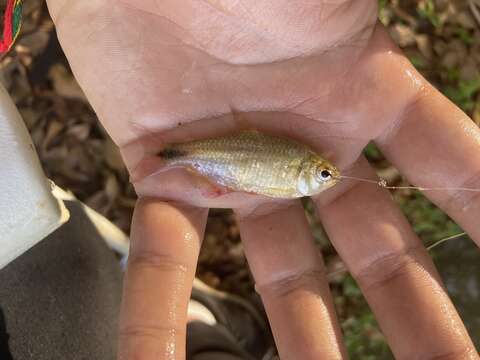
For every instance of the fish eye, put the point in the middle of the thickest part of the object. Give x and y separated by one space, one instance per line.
325 174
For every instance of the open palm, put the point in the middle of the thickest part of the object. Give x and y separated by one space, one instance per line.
322 72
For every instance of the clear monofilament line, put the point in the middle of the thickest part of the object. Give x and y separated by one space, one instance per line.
376 182
445 239
343 269
383 183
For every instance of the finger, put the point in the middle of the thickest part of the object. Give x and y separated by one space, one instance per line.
434 144
394 271
164 250
290 278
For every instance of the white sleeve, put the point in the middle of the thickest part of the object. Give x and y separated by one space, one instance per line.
28 210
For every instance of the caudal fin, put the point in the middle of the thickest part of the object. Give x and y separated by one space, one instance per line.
170 153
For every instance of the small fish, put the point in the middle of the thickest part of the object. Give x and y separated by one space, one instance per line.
255 162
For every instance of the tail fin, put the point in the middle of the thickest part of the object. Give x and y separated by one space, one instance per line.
171 153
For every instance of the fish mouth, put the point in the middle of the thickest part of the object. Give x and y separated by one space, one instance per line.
336 177
335 173
335 180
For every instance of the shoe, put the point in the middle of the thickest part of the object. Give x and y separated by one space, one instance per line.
237 319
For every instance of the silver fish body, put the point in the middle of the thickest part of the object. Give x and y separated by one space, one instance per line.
255 162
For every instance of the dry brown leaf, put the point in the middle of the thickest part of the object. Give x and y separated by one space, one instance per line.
465 20
54 128
127 202
403 35
237 251
33 43
99 202
29 116
424 45
112 188
440 47
469 69
79 131
450 60
55 155
65 84
112 156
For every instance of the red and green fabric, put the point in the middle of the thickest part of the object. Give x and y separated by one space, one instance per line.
11 24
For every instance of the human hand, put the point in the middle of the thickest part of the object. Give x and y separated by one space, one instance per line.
321 72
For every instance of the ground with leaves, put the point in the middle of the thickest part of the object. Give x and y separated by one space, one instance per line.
441 38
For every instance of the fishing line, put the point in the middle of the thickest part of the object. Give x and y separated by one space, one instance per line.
331 275
383 184
445 239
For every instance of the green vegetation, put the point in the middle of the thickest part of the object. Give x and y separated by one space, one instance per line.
426 10
465 35
463 92
372 152
363 338
429 222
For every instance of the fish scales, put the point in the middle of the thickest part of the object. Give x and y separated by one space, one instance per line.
251 161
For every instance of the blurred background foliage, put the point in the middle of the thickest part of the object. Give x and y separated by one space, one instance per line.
441 38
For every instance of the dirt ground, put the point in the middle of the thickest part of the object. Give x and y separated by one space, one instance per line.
441 38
